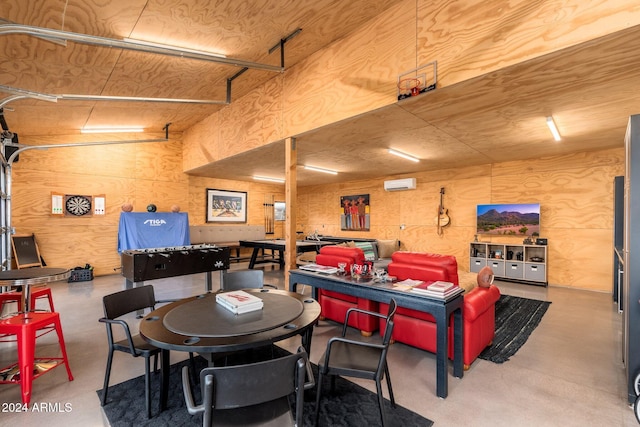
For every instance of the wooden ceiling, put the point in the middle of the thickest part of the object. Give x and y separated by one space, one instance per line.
243 30
590 89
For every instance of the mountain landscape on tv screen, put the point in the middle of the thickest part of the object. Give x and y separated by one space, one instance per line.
509 223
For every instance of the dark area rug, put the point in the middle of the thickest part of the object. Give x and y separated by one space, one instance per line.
349 405
516 318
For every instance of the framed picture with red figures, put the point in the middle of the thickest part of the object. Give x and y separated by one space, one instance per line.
355 212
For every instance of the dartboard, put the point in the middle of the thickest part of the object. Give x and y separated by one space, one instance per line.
78 205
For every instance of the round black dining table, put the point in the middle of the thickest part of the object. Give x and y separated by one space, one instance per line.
26 277
199 324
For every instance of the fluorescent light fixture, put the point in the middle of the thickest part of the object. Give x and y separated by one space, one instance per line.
553 128
264 178
177 48
112 130
313 168
403 155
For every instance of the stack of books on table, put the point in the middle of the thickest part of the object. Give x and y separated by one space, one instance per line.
438 289
239 302
319 268
406 284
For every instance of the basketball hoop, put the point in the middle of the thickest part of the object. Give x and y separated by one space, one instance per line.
417 81
410 86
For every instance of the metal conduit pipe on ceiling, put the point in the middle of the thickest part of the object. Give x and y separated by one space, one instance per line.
132 45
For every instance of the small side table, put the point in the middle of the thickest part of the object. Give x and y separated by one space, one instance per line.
26 277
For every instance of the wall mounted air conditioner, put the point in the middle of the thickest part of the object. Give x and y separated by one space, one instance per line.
400 184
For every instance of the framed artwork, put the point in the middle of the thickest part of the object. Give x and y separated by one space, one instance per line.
279 210
355 212
226 206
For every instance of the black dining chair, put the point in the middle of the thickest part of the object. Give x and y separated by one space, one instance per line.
252 394
117 305
352 358
242 279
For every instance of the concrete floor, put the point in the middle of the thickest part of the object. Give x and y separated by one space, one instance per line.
569 373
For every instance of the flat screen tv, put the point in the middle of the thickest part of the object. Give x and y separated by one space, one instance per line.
508 219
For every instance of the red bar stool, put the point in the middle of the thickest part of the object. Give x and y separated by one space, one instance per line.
27 327
36 293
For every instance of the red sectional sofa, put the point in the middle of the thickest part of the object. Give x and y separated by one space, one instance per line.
418 329
334 305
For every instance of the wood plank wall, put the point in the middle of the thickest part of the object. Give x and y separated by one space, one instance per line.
256 192
133 173
575 193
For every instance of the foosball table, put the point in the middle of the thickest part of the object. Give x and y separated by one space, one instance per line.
139 265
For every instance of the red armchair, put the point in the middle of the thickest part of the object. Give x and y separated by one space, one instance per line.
418 329
334 305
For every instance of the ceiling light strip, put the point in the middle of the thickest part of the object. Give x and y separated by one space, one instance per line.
403 155
553 128
316 169
267 179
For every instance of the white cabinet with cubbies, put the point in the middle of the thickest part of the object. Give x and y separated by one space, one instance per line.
522 263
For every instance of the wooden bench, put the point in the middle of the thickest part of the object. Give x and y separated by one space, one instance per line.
226 236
